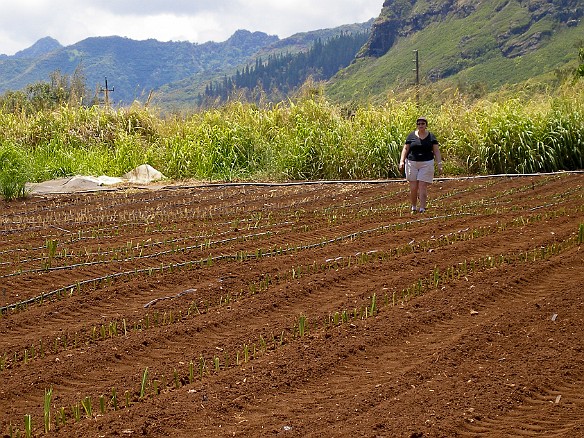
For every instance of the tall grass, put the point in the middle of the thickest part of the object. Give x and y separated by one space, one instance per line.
308 138
14 172
516 136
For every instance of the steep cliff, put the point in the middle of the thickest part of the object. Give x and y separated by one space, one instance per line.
402 18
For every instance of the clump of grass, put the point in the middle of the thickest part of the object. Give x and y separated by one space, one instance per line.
14 174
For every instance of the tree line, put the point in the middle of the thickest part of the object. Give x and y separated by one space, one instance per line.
61 89
282 74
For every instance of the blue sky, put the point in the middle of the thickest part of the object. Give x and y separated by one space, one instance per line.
24 22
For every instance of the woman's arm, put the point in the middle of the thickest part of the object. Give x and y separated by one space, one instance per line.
404 154
437 156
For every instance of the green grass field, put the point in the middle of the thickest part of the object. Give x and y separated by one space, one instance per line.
306 139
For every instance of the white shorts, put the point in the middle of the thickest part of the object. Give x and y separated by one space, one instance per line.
420 171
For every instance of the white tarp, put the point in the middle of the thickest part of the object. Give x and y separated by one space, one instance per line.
143 174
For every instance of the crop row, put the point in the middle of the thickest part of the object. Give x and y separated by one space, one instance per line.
131 252
285 264
240 255
152 383
114 327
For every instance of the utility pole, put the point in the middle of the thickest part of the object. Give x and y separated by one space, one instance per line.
417 70
106 90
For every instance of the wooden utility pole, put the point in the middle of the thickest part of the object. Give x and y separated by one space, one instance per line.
417 70
106 90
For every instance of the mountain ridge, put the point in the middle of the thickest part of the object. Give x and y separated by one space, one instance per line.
473 44
135 68
476 43
399 18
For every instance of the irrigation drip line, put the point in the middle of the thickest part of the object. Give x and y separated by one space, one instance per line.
200 262
222 257
210 259
140 257
215 242
361 181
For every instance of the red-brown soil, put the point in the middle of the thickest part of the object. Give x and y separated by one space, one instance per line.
464 321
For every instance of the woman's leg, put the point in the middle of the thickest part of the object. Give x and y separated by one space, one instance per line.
414 193
422 193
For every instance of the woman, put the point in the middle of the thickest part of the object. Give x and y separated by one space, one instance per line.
418 156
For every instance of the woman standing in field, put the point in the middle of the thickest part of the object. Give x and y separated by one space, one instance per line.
420 151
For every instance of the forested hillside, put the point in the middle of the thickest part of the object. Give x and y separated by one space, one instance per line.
281 74
172 73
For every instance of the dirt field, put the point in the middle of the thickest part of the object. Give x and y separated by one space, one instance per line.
304 310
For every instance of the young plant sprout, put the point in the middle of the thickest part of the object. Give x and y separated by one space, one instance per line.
28 426
144 382
47 409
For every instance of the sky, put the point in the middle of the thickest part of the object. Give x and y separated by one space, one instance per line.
23 22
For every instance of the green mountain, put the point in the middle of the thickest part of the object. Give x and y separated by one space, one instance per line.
280 75
474 44
176 72
470 43
134 68
185 93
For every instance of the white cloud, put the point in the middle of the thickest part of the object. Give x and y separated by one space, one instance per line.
24 22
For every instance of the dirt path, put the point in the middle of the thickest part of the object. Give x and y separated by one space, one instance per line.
303 310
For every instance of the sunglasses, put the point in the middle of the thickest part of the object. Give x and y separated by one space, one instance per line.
420 123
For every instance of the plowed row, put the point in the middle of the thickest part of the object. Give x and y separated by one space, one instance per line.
296 310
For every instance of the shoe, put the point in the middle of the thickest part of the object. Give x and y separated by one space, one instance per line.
414 210
422 210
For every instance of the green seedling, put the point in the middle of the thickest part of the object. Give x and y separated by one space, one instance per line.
101 404
144 381
302 325
176 380
191 372
86 403
28 426
76 409
47 409
51 246
61 416
373 308
202 366
114 399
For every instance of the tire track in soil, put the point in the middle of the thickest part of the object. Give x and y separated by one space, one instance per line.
554 412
